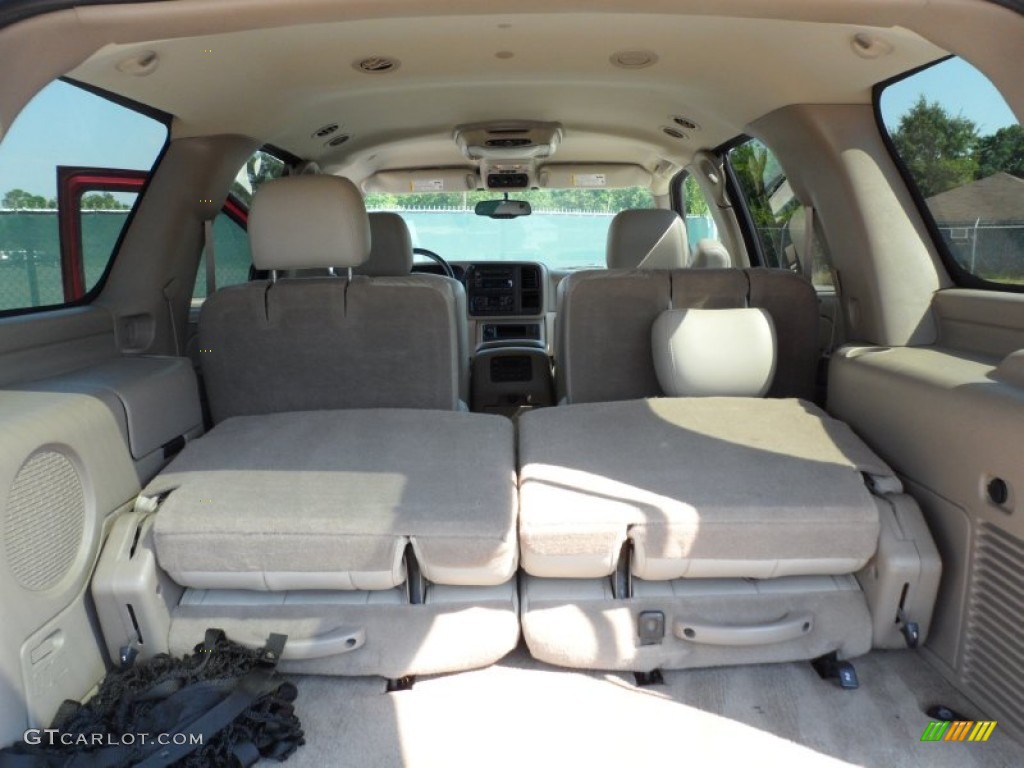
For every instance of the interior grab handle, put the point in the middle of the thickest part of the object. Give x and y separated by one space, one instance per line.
331 643
789 627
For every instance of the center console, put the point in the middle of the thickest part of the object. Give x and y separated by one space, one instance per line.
511 366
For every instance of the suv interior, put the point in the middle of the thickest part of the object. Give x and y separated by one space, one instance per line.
570 382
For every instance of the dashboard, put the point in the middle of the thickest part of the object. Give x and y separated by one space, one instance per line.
511 331
505 300
504 289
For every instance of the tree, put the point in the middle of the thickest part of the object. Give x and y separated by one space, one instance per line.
19 198
937 147
696 203
259 168
102 202
1002 151
750 162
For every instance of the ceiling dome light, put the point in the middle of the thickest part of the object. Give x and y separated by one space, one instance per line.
376 65
634 59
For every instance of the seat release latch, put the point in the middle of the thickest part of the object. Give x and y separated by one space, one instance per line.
650 626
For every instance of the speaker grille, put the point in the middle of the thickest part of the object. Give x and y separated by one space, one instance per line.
45 520
993 657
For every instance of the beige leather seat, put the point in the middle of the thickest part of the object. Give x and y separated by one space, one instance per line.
605 317
341 498
295 344
670 515
710 254
710 481
647 238
390 247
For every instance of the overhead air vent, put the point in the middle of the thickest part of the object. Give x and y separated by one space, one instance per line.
674 133
376 65
508 140
325 131
685 123
337 141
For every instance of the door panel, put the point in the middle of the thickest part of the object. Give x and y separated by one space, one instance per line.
952 423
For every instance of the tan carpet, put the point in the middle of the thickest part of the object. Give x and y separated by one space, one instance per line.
522 713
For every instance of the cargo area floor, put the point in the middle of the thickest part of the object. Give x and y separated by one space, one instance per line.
521 712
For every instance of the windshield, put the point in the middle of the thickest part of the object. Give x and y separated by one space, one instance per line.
567 229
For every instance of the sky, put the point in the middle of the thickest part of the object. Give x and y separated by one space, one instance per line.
64 125
958 87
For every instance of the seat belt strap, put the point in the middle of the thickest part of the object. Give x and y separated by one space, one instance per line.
211 257
807 263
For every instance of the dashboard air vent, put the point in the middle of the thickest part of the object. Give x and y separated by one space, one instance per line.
530 289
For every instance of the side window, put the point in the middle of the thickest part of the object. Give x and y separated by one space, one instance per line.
699 222
779 218
963 150
66 127
232 258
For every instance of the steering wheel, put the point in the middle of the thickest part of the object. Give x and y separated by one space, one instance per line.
448 271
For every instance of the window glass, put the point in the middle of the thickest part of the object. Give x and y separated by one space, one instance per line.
232 257
964 151
778 215
64 126
568 228
699 222
103 215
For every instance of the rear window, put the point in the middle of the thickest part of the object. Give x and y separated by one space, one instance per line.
65 127
962 151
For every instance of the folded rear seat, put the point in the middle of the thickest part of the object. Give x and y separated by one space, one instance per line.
381 540
331 500
673 517
699 487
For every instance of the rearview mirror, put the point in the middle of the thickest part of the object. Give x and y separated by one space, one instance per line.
503 209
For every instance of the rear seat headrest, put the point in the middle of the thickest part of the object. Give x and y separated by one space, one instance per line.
391 246
308 222
650 238
714 352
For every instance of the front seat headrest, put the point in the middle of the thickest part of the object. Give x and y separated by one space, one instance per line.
308 222
710 254
390 246
648 238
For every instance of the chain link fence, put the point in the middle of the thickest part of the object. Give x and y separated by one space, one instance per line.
30 265
992 251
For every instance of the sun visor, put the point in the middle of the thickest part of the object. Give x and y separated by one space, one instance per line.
593 176
431 180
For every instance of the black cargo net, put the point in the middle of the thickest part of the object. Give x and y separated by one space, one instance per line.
225 695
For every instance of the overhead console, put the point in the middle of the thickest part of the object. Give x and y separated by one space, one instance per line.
505 289
509 140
